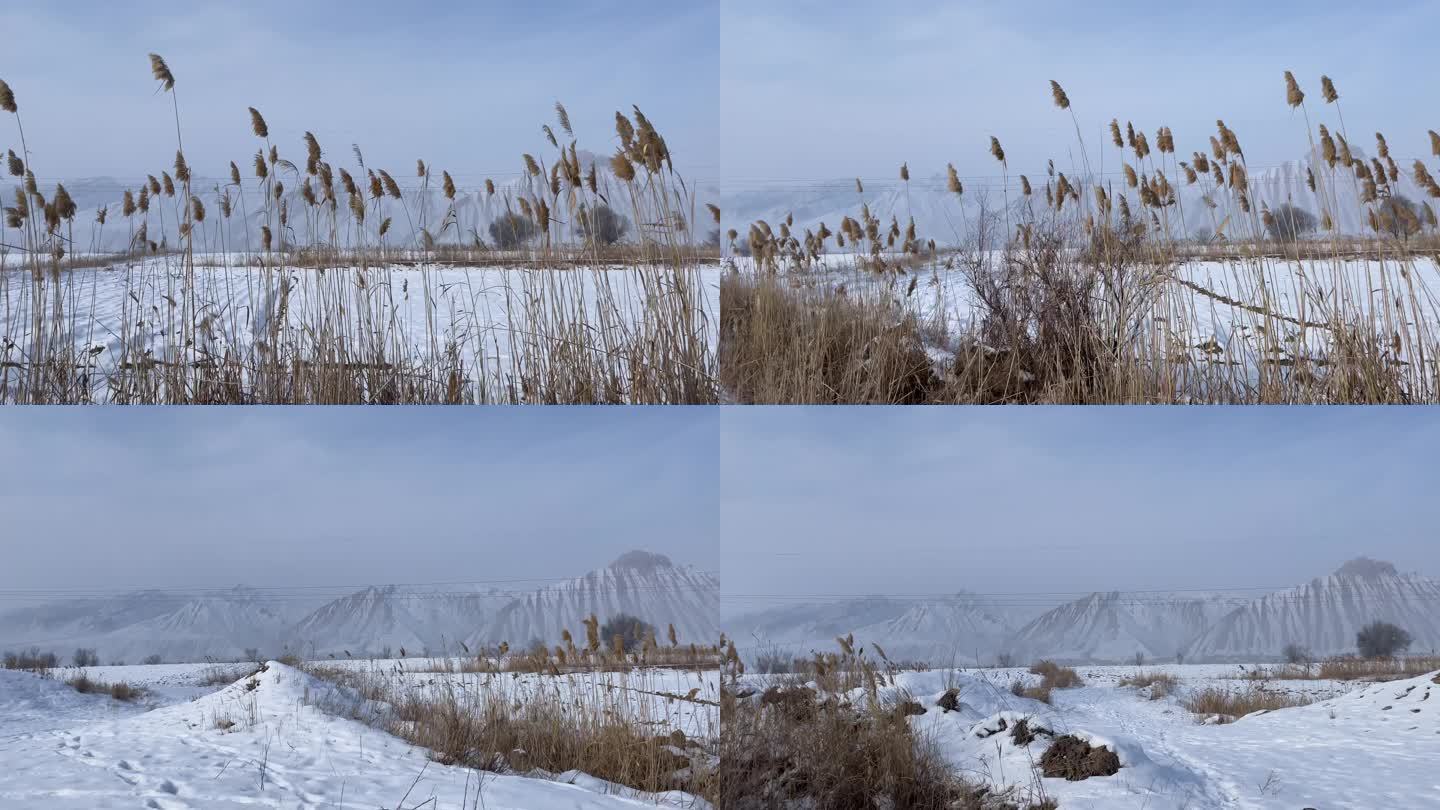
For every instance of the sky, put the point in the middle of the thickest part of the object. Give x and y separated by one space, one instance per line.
930 501
817 90
464 85
121 499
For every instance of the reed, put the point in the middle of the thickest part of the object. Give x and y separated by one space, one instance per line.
302 284
1090 289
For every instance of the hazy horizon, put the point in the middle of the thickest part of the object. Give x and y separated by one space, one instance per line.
464 86
828 503
117 500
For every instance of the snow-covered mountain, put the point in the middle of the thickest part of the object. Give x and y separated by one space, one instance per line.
962 627
1324 615
818 623
1114 626
639 583
950 221
377 619
195 626
176 626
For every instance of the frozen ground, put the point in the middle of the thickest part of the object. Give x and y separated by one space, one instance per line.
1358 745
481 310
244 745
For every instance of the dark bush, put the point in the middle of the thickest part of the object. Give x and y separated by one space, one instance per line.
512 231
1382 640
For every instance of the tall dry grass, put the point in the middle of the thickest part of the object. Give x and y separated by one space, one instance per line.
1081 287
603 711
286 282
804 739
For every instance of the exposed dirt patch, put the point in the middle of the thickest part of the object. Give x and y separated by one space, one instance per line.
1073 759
1023 733
950 701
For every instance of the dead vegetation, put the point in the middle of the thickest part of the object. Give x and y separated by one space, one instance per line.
579 283
1085 289
1157 683
592 708
1224 705
1347 668
835 732
82 682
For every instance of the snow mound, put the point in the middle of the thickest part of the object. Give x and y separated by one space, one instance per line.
1413 703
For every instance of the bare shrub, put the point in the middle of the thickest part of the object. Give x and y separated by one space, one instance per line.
1382 640
1296 654
626 632
85 657
602 225
1289 223
511 231
32 660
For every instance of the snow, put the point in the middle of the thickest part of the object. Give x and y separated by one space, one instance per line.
479 309
1322 616
1358 745
65 750
222 625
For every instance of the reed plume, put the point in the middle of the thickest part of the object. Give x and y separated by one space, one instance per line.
622 168
7 98
258 125
1057 93
161 72
1327 89
996 150
1294 96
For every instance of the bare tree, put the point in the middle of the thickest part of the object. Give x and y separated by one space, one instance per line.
511 231
1382 640
603 226
1288 223
1296 654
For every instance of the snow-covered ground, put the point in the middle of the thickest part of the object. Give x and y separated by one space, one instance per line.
482 311
266 741
1356 745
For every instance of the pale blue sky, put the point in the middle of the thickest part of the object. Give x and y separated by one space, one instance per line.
464 85
835 89
935 500
195 497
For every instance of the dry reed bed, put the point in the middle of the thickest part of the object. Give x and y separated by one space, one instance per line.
1085 289
640 728
835 733
322 301
1348 668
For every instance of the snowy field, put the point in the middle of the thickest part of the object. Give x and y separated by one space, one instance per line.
423 309
1356 745
944 301
265 741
